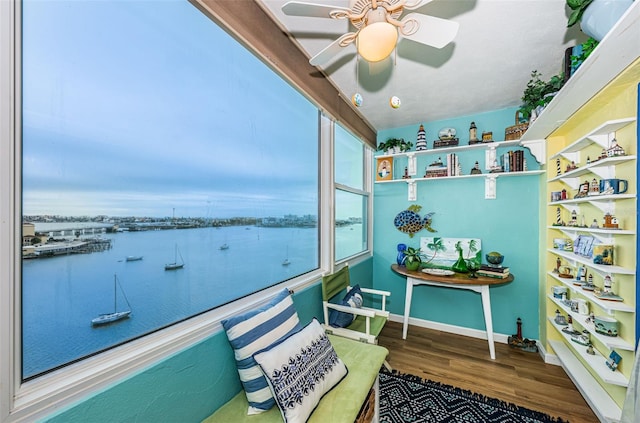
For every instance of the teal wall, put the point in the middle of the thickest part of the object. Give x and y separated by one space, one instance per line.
190 385
508 224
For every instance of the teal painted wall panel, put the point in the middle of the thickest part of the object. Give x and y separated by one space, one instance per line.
508 224
188 386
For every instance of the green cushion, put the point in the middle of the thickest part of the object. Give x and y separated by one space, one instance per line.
341 404
376 325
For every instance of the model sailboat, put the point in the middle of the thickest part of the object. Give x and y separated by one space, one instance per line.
116 315
176 264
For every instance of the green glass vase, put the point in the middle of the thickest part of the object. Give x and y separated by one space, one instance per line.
460 265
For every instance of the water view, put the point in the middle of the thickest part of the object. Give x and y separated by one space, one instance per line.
62 294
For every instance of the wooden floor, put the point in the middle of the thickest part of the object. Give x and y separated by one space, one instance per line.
514 376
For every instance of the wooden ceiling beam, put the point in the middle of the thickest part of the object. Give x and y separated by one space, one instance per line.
247 22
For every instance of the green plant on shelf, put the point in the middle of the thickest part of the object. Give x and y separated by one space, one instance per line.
587 48
539 93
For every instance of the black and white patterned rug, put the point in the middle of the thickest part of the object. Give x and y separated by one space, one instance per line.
408 398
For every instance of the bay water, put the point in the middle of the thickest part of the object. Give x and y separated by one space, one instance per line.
60 295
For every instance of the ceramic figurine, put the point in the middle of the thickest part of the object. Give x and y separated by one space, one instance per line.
594 224
581 338
571 166
560 319
563 194
594 187
615 150
589 286
590 349
569 328
558 168
406 173
607 293
476 169
473 134
574 219
609 222
558 264
614 360
583 190
588 160
421 140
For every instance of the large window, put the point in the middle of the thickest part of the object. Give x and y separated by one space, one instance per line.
162 166
351 196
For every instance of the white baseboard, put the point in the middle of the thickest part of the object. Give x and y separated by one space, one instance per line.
473 333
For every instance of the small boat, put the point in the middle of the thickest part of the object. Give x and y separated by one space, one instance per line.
224 247
175 265
286 261
105 318
134 258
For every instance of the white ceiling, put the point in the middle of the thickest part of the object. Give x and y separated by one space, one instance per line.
485 68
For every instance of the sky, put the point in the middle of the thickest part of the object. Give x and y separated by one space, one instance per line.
140 107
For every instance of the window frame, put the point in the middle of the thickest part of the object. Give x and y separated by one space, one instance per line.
366 191
33 399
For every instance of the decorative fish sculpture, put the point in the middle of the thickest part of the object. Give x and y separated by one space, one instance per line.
409 221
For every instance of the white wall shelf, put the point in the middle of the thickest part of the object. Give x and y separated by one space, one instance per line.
602 136
597 362
612 342
598 399
608 306
603 168
600 268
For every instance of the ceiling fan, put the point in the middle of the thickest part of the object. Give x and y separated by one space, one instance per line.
378 24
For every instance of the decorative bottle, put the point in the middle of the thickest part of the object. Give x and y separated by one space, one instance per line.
401 250
460 265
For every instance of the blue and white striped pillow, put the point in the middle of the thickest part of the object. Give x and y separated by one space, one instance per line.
254 331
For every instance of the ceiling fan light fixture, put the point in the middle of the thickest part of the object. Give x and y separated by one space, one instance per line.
376 41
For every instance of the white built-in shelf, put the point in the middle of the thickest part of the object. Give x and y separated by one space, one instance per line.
608 306
605 236
598 399
601 231
597 362
612 342
601 268
603 168
606 203
600 136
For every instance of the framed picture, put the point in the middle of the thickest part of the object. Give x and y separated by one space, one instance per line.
384 169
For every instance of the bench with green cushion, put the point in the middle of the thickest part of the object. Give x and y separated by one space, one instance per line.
341 404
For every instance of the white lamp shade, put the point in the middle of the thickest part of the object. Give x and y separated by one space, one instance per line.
376 41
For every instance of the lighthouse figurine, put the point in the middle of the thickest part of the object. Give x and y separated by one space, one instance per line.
421 141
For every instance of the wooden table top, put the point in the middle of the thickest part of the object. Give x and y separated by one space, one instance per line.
455 279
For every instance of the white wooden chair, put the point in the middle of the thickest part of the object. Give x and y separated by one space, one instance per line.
368 322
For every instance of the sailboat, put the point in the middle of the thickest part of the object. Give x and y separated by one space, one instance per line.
103 319
175 265
286 261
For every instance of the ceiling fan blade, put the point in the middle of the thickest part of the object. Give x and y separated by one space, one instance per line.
414 4
332 49
429 30
296 8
